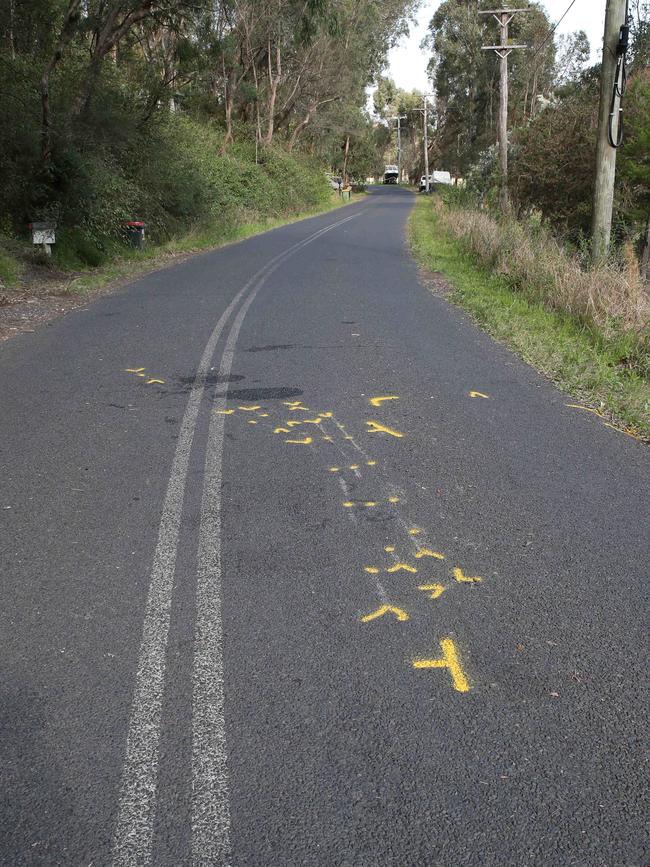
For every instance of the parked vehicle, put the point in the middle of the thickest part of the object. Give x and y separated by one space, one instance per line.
435 178
391 174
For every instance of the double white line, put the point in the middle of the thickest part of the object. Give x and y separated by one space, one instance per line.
133 839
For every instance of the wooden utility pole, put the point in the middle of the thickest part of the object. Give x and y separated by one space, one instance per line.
426 142
399 120
608 129
503 17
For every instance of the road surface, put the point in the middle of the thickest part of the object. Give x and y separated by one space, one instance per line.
299 567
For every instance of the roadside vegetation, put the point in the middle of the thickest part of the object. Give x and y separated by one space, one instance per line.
586 329
198 117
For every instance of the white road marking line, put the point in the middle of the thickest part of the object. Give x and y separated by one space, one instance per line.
133 838
210 795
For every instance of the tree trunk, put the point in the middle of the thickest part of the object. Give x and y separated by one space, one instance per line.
67 32
274 80
345 160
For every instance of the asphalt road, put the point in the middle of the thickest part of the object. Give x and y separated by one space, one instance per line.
253 615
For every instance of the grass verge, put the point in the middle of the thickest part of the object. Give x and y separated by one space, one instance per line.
579 359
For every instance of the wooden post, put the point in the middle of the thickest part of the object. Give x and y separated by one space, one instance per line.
503 17
605 153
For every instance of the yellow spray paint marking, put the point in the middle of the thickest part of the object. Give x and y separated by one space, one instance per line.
307 441
252 421
479 394
224 411
436 590
385 609
585 408
293 423
372 570
393 499
335 469
375 427
370 503
414 531
295 405
135 369
347 438
152 381
449 661
354 466
348 505
249 408
312 420
141 374
282 430
425 552
264 415
377 401
402 567
326 414
466 579
371 463
327 439
389 549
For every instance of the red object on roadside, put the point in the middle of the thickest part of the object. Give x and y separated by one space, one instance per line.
137 223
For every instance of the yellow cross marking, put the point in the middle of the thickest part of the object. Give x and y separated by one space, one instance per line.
385 609
375 427
466 579
449 661
479 394
402 567
425 552
435 589
377 401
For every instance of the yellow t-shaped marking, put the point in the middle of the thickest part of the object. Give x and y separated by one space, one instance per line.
460 576
435 589
377 401
375 427
426 552
449 661
385 609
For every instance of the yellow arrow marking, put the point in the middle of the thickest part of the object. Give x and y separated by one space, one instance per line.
479 394
375 427
402 567
377 401
305 442
435 589
425 552
449 661
466 579
385 609
135 369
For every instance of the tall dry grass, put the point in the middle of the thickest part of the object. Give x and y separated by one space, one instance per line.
608 296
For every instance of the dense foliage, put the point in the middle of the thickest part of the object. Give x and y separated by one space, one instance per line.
182 112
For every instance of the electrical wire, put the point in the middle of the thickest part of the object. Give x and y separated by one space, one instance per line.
545 42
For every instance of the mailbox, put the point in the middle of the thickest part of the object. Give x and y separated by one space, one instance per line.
44 234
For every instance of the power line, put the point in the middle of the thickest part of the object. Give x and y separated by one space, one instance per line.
545 42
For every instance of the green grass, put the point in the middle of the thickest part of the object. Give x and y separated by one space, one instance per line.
9 270
131 263
579 360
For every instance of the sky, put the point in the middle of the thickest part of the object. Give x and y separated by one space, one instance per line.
407 63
